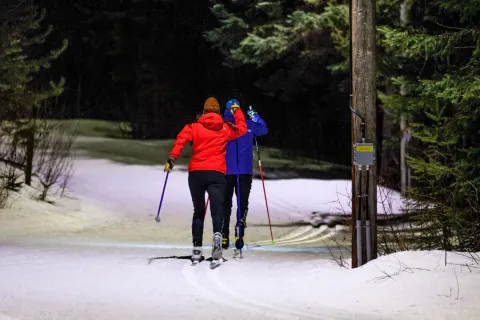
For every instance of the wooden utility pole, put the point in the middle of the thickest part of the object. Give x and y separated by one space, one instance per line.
363 74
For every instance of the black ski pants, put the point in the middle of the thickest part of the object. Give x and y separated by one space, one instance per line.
213 182
245 187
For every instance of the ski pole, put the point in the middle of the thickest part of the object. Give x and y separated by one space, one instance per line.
264 190
239 215
157 218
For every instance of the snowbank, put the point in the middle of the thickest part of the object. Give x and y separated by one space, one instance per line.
25 215
421 284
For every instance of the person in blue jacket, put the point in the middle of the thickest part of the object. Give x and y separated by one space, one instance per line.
239 158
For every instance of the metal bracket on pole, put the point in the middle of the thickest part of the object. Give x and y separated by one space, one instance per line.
363 154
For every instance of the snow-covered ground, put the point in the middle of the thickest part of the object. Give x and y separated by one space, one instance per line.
82 281
134 192
86 258
138 188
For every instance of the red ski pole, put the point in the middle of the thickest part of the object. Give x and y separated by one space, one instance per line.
264 191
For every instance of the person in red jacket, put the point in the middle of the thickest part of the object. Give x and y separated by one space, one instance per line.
209 136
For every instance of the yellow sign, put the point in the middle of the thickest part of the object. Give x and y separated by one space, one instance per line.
364 148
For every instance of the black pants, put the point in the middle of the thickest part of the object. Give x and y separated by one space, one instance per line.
212 182
245 187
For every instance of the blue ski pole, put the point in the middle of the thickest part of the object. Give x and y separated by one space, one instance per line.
161 199
239 242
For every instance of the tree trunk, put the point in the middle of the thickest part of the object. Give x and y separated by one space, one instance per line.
404 171
403 156
29 165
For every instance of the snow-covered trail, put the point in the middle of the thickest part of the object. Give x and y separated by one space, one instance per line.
133 192
59 281
81 280
77 259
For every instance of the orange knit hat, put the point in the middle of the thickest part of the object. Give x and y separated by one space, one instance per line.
211 105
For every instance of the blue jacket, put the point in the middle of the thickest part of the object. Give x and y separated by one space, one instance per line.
255 128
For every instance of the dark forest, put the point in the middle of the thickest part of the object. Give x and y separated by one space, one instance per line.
153 63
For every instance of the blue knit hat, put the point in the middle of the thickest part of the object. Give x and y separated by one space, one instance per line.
231 102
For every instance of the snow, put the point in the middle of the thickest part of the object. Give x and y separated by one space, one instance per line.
61 281
26 216
86 257
134 191
140 187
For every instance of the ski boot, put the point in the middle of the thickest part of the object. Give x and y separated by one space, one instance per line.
225 243
239 239
216 250
196 255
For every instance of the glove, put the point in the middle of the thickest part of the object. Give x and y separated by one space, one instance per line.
234 108
169 165
251 113
233 105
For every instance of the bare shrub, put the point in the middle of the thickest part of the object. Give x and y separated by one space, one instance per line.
13 151
396 232
339 253
4 192
53 159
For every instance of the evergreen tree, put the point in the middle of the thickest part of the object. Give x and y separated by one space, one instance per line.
428 72
288 47
439 59
23 57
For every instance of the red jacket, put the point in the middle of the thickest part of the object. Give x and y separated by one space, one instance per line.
209 137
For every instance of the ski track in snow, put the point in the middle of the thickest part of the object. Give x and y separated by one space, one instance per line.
58 281
193 275
277 310
302 236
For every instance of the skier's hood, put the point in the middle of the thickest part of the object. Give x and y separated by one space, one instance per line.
211 121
